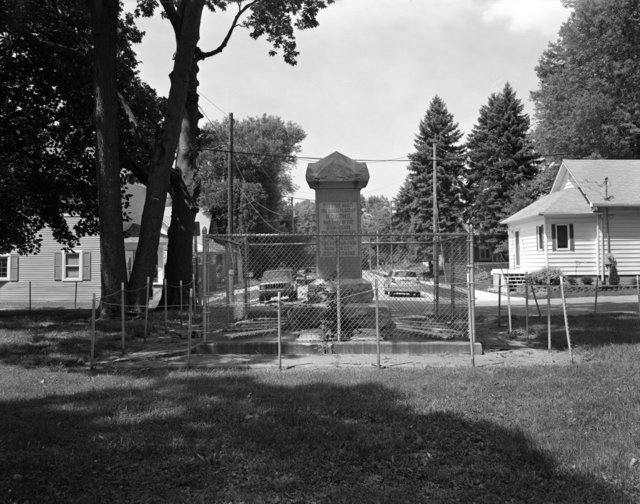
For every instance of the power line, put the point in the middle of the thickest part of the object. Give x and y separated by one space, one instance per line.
200 94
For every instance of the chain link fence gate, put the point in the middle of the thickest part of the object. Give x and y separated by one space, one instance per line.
417 287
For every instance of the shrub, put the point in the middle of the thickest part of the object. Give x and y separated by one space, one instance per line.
539 277
614 278
587 280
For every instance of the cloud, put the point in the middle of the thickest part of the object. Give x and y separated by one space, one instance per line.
544 16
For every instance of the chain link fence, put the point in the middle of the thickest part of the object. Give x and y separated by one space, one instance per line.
400 287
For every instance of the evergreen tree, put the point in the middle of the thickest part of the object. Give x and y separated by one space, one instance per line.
414 203
501 158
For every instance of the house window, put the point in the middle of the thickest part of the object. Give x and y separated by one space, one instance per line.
540 234
5 267
562 236
72 266
516 237
484 254
9 268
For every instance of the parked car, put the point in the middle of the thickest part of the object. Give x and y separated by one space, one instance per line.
402 282
280 280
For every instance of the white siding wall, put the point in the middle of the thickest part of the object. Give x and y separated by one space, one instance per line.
531 258
624 228
39 270
582 260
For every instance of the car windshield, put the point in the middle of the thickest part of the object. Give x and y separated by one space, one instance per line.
404 273
274 275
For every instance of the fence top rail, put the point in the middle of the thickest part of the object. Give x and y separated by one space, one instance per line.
231 238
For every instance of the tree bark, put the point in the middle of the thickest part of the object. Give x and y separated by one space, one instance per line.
184 192
158 181
104 18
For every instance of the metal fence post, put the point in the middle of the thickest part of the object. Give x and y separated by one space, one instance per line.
377 323
122 312
189 329
471 298
164 295
548 313
146 312
279 333
338 293
181 303
566 320
204 283
93 331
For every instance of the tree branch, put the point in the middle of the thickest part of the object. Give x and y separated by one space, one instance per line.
172 16
203 55
57 48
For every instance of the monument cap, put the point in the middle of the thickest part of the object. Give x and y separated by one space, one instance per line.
337 170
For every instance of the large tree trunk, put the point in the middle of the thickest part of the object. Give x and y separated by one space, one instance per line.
184 201
104 17
158 181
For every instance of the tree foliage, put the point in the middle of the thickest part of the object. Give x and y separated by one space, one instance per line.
376 215
47 136
414 203
588 99
501 158
264 150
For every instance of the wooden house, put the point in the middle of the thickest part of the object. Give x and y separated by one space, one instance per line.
590 218
69 278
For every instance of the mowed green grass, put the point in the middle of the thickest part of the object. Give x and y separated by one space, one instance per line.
567 433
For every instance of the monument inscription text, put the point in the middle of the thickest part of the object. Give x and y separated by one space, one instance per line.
338 218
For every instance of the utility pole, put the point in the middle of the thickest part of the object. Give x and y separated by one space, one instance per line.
230 178
436 255
293 222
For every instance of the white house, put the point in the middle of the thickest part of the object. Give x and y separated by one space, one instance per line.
67 278
591 215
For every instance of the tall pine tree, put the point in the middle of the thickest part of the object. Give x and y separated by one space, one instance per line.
414 203
501 158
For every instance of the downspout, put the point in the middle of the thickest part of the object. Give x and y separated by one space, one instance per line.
606 216
546 242
599 261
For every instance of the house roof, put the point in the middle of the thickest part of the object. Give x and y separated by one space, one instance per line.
568 201
583 185
604 182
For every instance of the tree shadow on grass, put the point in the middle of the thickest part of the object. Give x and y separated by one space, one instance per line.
232 437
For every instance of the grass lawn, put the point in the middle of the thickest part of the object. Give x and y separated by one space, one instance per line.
530 434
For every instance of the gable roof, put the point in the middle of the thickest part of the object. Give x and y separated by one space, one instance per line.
604 182
568 201
583 185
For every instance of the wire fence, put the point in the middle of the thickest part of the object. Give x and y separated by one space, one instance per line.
328 284
319 289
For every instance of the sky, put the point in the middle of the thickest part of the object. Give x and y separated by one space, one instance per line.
366 75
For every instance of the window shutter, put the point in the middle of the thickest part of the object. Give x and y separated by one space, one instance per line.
553 237
572 243
86 265
13 276
57 266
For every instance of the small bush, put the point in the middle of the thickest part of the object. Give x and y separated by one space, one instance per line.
587 280
614 278
539 277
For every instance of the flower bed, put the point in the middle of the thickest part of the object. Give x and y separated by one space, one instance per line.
572 291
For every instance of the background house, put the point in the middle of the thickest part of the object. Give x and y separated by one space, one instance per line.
591 215
68 278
